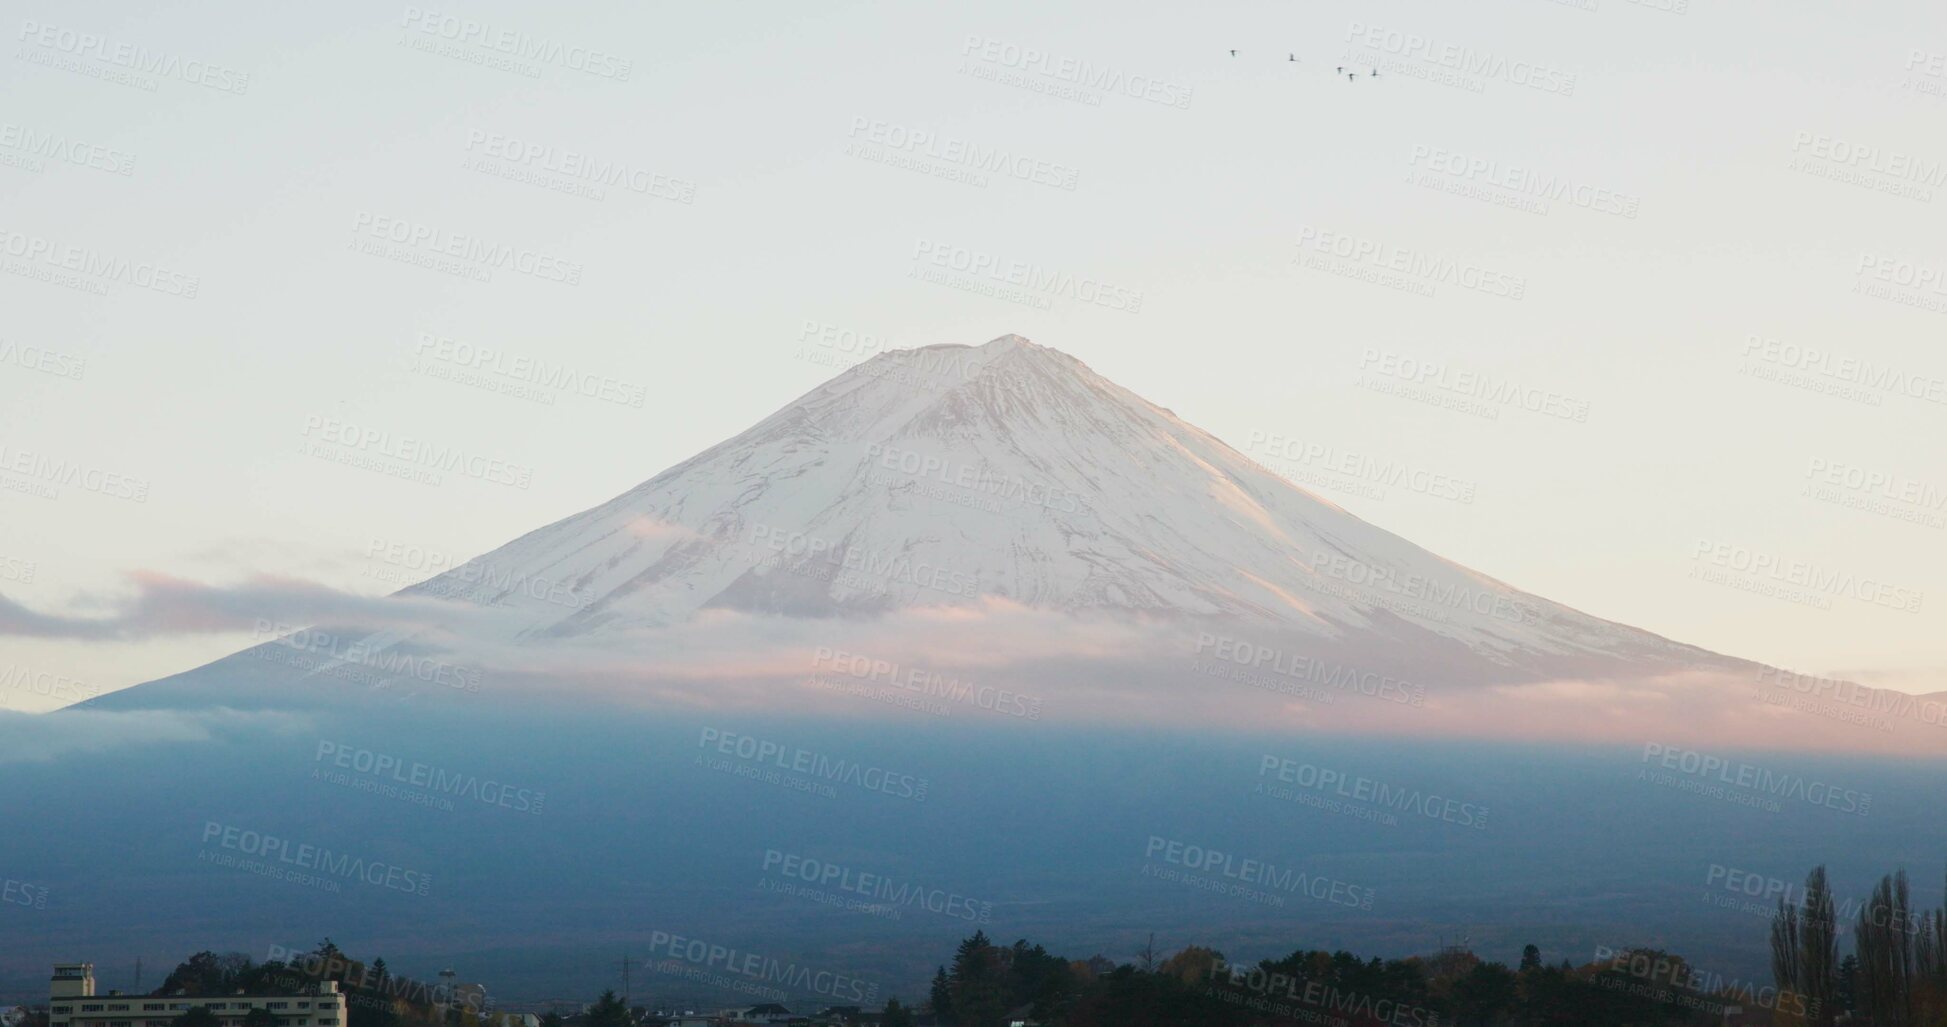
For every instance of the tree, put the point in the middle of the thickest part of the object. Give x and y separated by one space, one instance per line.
553 1020
1930 967
1883 940
942 996
196 1016
978 987
207 973
1805 948
332 961
608 1011
374 989
1846 992
1038 979
1530 958
1484 992
1193 965
258 1016
1130 998
896 1015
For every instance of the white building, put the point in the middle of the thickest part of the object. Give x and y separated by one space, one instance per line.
73 1003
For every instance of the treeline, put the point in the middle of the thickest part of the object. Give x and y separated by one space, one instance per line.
1896 975
989 985
374 997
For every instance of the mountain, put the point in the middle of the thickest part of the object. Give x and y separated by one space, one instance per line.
620 727
951 475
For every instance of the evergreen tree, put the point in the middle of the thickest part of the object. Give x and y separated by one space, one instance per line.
979 986
375 1008
1484 993
896 1015
608 1011
1530 958
942 996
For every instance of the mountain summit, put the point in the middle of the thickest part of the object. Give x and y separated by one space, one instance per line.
959 475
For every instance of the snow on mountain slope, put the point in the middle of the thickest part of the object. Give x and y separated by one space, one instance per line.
949 474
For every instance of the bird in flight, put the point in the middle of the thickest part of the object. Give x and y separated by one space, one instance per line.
1291 59
1352 76
1375 73
1233 53
1341 69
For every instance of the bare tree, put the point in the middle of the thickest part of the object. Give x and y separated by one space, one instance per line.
1805 948
1785 966
1884 938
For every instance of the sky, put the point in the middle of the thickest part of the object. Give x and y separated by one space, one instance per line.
1644 298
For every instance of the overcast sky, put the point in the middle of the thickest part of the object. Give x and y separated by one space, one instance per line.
227 233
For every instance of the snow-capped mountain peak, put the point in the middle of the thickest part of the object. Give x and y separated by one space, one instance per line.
954 475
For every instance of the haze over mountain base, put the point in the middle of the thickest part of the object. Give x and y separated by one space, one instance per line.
544 838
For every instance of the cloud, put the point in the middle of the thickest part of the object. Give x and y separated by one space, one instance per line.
994 662
41 738
162 605
998 658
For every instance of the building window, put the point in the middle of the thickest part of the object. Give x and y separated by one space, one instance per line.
152 1007
277 1005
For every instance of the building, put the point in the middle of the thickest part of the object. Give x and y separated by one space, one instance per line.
73 1003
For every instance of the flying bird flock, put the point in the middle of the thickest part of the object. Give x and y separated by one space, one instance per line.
1350 76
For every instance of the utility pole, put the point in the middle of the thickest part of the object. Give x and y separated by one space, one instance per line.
625 981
